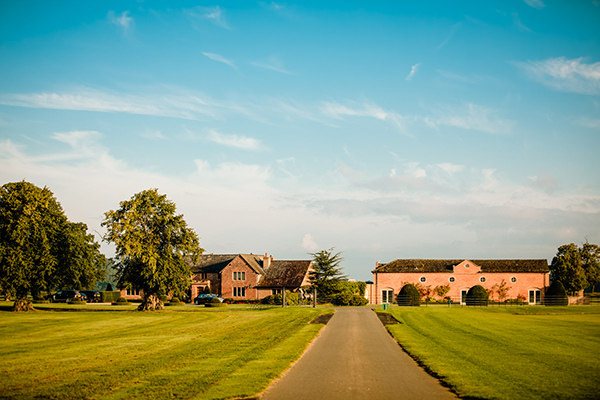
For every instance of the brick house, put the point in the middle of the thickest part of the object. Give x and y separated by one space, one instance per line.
527 279
248 276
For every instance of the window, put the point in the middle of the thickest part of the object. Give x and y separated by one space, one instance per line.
482 279
239 276
387 296
513 279
451 279
463 296
275 291
133 292
204 276
423 279
467 265
239 292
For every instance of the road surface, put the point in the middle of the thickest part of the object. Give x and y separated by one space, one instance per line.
354 357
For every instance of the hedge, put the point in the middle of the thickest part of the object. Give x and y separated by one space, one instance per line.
109 297
409 296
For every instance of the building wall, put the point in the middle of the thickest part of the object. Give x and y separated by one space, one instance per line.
228 283
524 283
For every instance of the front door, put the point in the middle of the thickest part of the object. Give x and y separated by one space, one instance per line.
535 296
387 296
463 296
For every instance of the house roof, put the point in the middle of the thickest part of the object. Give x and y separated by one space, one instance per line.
420 265
217 262
285 273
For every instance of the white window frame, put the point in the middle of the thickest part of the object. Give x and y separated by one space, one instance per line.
387 296
451 279
536 295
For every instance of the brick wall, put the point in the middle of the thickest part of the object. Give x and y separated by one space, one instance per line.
524 283
249 283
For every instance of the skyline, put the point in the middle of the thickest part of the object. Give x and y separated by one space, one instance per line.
390 130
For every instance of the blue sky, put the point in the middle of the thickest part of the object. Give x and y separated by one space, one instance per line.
400 129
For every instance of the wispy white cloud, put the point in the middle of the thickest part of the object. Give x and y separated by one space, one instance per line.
272 63
368 110
453 31
413 71
568 75
519 24
240 142
219 58
153 135
214 14
175 104
539 4
472 117
123 21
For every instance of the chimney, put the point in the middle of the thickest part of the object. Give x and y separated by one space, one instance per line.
267 261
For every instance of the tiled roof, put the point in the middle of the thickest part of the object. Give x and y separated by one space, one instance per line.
420 265
285 273
216 262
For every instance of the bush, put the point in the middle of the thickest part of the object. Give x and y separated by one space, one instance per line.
77 301
346 299
215 302
409 296
556 295
109 296
121 301
292 299
174 302
477 296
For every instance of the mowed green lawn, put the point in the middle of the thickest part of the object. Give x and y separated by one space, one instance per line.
203 354
507 352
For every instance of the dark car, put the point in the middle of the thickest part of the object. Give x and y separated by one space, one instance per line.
205 298
92 295
67 296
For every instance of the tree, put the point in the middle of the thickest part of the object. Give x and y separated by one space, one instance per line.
327 272
152 245
442 290
40 249
501 289
576 268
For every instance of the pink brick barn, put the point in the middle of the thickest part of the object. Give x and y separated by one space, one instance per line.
525 279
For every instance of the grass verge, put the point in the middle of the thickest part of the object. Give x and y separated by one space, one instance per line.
505 353
205 354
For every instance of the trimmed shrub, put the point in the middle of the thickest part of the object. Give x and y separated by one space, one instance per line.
477 296
346 299
77 301
215 302
556 295
121 301
109 296
174 302
409 296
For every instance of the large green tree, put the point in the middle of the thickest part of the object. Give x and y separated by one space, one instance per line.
576 267
327 273
39 248
152 245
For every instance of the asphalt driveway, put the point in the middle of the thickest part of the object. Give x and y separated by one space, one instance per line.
354 357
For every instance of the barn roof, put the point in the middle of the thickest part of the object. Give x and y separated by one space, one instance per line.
422 265
285 273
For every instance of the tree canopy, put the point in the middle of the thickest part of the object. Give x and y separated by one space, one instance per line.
152 246
576 267
40 249
327 272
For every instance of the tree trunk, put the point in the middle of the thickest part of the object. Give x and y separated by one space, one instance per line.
151 303
22 305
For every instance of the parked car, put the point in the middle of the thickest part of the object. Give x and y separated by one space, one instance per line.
205 298
92 295
67 296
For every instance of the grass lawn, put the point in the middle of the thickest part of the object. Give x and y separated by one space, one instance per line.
200 354
506 352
